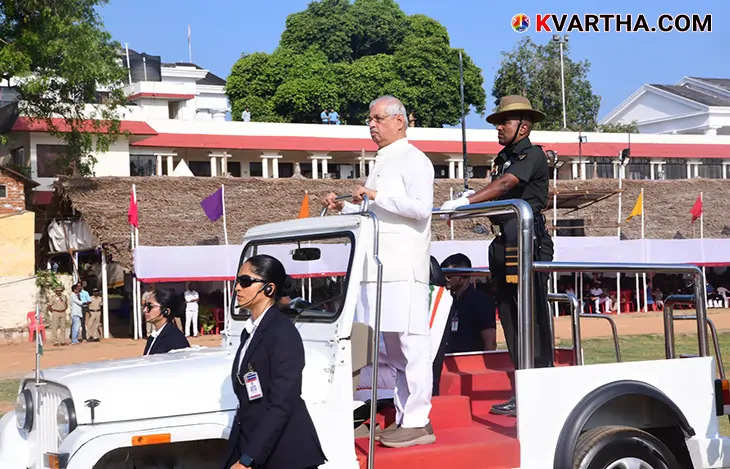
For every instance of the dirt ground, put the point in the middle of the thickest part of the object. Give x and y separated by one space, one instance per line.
19 359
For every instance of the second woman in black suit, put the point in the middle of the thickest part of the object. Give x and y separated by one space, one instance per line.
158 307
272 428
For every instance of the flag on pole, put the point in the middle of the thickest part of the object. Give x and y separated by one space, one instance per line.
132 215
304 209
213 205
696 209
638 208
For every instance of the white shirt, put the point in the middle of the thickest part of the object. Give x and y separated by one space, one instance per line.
250 327
190 304
596 292
246 116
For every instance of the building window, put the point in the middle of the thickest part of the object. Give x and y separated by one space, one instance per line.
142 165
675 170
710 168
3 191
47 160
601 168
256 169
639 169
173 109
234 168
17 156
200 168
286 170
440 171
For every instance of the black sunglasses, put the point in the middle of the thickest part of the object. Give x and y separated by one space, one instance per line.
149 306
246 280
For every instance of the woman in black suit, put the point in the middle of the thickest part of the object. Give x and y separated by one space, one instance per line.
272 428
158 306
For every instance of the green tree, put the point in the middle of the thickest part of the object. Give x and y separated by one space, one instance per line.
620 128
533 70
341 55
57 55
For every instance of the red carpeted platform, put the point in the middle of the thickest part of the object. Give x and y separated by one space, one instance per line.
467 435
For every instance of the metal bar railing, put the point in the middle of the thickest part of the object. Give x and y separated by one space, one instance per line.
715 340
575 323
525 222
614 331
699 283
668 314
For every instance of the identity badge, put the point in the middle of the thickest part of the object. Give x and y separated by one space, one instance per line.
253 386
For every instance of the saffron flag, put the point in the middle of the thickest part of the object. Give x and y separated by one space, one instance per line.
304 209
696 209
213 205
132 215
638 208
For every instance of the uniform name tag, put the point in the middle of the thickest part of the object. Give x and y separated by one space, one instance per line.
253 386
455 324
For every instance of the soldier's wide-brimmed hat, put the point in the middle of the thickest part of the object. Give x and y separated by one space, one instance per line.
514 104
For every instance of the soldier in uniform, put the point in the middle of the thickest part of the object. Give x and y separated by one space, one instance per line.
520 171
57 306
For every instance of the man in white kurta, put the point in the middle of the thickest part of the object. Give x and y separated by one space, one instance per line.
400 190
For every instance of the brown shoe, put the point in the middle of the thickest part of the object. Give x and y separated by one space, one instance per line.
390 429
404 437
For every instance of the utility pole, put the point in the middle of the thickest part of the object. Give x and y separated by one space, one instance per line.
562 40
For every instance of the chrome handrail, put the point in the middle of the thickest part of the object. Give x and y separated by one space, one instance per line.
614 331
575 323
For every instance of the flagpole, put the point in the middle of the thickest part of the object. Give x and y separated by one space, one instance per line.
135 290
105 292
702 217
643 249
225 237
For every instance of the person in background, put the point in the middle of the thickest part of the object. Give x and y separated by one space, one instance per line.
191 310
93 324
159 308
85 300
272 428
324 116
76 313
246 115
333 117
57 306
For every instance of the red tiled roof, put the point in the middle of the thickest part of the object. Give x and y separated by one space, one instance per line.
25 124
249 142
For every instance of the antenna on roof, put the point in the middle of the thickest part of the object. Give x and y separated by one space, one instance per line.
190 46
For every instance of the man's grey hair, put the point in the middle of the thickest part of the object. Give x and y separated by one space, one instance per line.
394 106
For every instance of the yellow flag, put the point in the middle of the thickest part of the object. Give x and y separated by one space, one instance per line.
638 207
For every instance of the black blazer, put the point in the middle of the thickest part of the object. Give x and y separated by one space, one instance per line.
275 430
170 338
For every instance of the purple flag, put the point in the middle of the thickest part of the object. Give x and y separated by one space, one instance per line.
213 205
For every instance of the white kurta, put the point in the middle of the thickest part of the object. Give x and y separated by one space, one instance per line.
403 179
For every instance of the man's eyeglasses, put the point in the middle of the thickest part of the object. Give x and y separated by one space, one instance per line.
378 119
246 280
149 306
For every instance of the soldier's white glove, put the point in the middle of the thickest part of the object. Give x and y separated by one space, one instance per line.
467 193
452 204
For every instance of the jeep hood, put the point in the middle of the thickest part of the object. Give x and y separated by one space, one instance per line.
188 381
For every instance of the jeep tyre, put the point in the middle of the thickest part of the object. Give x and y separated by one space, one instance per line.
619 447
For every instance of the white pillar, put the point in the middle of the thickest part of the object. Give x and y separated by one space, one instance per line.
452 171
574 167
170 165
689 171
582 169
158 157
104 294
265 167
324 168
460 169
224 164
275 168
315 168
651 171
724 170
213 166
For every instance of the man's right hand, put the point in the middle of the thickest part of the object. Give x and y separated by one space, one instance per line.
330 201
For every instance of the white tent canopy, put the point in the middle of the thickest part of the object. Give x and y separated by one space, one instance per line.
213 263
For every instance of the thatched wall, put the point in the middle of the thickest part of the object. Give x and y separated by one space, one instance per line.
170 212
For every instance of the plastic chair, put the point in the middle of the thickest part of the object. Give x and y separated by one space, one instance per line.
34 327
626 300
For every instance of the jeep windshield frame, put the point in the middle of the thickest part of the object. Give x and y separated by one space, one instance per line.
302 310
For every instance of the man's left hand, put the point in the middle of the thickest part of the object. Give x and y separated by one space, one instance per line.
238 465
360 191
452 204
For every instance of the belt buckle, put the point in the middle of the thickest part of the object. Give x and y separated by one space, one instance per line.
496 230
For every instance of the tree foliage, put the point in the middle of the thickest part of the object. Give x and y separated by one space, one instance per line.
340 55
533 70
57 55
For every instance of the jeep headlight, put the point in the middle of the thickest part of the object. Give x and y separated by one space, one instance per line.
24 410
65 418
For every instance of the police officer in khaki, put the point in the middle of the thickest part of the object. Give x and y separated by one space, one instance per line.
93 319
57 306
520 171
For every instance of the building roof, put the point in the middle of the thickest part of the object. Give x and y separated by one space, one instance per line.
719 82
170 213
26 124
19 176
694 94
211 79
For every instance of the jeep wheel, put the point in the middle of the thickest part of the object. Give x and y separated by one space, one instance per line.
618 447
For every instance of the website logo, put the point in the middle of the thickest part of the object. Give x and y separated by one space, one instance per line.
520 22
